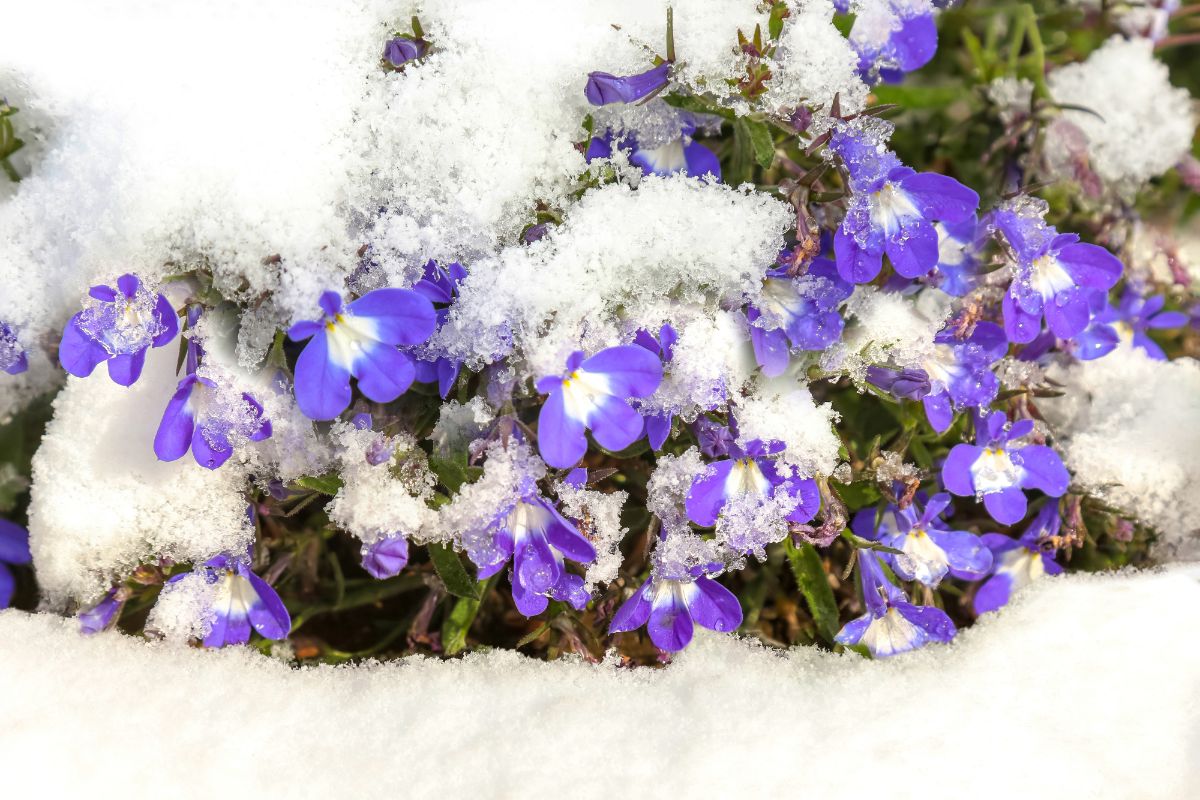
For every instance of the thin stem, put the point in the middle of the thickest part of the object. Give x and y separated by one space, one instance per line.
671 34
1177 40
9 170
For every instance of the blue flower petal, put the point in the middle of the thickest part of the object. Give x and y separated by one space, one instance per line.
632 371
14 543
614 424
126 368
78 353
714 607
1006 506
707 495
174 435
670 625
561 439
634 612
401 316
322 385
384 373
267 614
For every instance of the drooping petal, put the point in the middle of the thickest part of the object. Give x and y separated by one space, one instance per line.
267 612
713 606
383 372
967 556
322 385
614 424
1067 313
126 368
529 603
401 316
912 248
634 612
938 411
603 88
658 429
993 594
567 539
670 625
174 435
707 496
1021 326
852 632
855 264
168 319
771 350
78 353
701 161
561 439
930 619
210 447
1006 506
631 371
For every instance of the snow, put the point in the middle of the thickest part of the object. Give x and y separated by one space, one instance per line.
888 327
1082 688
97 505
1127 425
1133 136
815 63
783 410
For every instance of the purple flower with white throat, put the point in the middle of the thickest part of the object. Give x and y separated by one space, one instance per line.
603 88
798 313
670 608
117 325
594 395
14 550
12 355
359 340
658 425
385 557
750 472
240 601
892 624
1053 275
208 418
930 549
679 155
537 539
103 615
1130 321
1018 562
998 470
892 210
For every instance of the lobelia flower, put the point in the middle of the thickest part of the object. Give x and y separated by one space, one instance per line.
658 425
403 49
385 557
207 418
440 285
1053 275
958 256
1018 562
12 355
803 311
241 601
957 374
536 538
670 608
930 550
892 624
104 614
892 210
893 37
359 340
1129 321
603 88
117 325
14 550
749 471
682 154
715 439
997 471
594 395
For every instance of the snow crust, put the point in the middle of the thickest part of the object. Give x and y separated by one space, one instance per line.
1084 687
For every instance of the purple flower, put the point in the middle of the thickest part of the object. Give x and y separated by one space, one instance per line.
14 549
1130 320
104 614
892 624
440 285
892 210
603 88
359 340
715 439
910 383
594 394
893 37
12 355
1053 276
537 538
402 49
117 326
681 154
241 601
671 608
210 421
1018 562
958 256
385 557
997 471
748 472
797 313
658 425
930 549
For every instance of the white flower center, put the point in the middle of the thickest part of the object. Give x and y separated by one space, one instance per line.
1049 278
746 478
1022 566
346 335
890 634
889 206
994 470
923 558
582 393
667 158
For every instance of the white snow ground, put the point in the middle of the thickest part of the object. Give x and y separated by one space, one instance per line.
1086 687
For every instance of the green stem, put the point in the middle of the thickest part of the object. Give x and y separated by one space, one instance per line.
9 170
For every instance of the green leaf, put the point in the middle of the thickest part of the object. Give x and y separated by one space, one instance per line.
910 96
452 572
328 484
458 622
775 22
762 143
814 585
453 472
